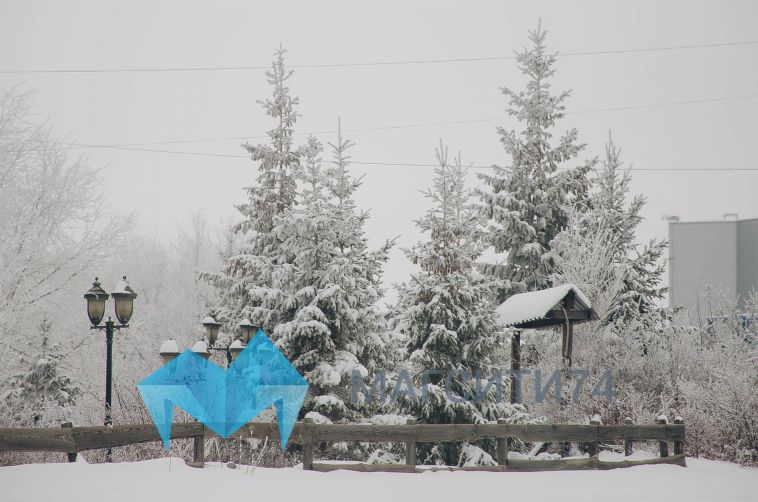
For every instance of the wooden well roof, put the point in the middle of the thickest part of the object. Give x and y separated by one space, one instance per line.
547 307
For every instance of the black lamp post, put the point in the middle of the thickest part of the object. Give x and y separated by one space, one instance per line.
123 297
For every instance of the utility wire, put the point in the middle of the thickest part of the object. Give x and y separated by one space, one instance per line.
635 169
412 125
375 63
412 164
141 147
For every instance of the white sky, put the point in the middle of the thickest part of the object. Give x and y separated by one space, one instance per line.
118 108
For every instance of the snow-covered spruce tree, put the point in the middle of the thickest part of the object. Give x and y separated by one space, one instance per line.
375 350
447 315
330 324
609 207
247 285
41 380
525 201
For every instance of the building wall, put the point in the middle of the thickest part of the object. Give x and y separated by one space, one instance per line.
747 258
703 254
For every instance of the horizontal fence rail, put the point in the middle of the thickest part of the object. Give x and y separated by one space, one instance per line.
72 440
76 439
436 433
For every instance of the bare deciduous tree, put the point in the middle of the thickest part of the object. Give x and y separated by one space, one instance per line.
54 221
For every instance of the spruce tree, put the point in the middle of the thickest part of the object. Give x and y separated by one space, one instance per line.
330 324
247 285
525 201
447 312
609 208
41 379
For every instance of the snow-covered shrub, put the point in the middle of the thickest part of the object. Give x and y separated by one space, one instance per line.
380 456
472 455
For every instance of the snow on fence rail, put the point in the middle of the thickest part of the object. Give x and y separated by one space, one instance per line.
72 440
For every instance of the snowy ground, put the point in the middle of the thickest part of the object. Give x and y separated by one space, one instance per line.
170 480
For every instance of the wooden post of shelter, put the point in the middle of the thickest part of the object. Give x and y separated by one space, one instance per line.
568 328
515 367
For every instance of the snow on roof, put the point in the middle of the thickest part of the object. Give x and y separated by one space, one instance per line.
525 307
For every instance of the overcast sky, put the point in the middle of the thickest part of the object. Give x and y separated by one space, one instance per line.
117 108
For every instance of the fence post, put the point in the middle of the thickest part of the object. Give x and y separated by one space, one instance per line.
308 444
678 445
410 447
663 446
628 443
198 454
593 447
502 447
71 456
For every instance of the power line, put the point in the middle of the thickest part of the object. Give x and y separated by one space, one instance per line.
140 147
417 125
668 48
373 63
662 105
414 164
634 169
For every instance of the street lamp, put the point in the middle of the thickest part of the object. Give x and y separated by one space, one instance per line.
123 297
211 329
236 348
169 350
96 298
248 330
201 349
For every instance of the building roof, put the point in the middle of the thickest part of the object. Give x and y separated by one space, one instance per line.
521 309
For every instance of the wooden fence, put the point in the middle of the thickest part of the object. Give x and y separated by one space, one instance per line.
72 440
